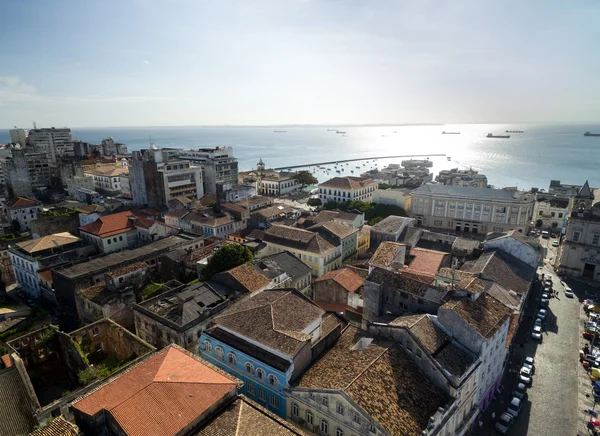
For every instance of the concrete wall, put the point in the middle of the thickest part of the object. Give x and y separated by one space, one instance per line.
525 253
48 225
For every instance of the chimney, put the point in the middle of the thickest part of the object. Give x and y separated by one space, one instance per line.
399 258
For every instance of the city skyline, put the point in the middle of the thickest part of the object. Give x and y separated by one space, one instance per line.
263 63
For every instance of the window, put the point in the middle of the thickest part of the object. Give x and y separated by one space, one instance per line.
95 331
325 401
596 240
120 238
274 401
251 389
262 395
219 353
576 236
109 242
324 426
372 428
260 373
207 346
295 409
272 380
249 368
560 214
231 358
339 432
340 409
309 417
356 418
418 353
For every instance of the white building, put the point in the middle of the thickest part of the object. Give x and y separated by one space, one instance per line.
394 196
19 136
219 167
54 142
476 210
24 210
340 189
107 179
551 211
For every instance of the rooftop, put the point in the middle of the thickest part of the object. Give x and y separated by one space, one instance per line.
276 318
56 240
467 192
254 200
249 277
336 229
485 315
385 254
244 417
128 269
115 259
23 202
298 238
110 225
161 395
108 171
334 215
426 261
16 411
283 262
380 378
184 306
392 224
345 277
348 183
408 284
57 427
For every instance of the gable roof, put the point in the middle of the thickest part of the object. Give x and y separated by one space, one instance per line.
16 411
385 254
283 262
413 285
297 238
23 202
335 229
348 182
108 171
46 242
380 378
161 395
345 277
109 225
485 315
57 427
273 317
391 224
249 277
585 191
426 261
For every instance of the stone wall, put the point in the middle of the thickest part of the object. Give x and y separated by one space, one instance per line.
47 225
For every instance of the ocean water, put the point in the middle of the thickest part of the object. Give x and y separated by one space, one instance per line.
543 152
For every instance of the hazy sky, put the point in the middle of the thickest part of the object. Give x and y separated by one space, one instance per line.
144 63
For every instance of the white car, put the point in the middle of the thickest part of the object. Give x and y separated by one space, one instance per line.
568 292
525 376
529 366
537 332
514 407
542 314
529 360
504 423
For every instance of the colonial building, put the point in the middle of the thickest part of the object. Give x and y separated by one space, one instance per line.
552 212
267 340
354 219
322 256
107 179
269 181
286 271
468 178
369 386
389 229
340 235
580 250
340 291
178 316
340 189
475 210
23 210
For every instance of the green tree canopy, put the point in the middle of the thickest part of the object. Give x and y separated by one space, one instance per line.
314 202
227 257
305 178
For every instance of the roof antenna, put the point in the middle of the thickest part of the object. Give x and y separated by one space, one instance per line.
34 126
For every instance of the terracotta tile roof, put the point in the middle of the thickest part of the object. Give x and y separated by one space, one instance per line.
335 229
177 213
392 224
273 317
270 211
407 320
6 360
249 277
297 238
23 202
46 275
161 395
509 298
403 282
91 208
504 269
425 261
430 336
183 199
98 293
458 273
109 171
254 200
127 269
347 183
345 277
16 411
244 417
472 285
385 253
207 199
57 427
485 315
236 207
110 225
380 378
512 328
334 215
46 242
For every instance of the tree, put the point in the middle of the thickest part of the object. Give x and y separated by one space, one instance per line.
305 178
539 223
227 257
331 205
375 220
212 203
314 202
384 186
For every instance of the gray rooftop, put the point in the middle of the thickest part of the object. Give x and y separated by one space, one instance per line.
119 259
465 192
16 410
391 224
274 265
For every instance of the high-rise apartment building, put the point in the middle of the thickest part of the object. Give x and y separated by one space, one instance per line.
219 167
54 142
26 170
18 136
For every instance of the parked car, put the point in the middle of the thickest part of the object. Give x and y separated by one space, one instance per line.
529 360
525 376
544 302
538 322
542 314
514 407
504 422
555 243
553 235
520 392
568 292
537 332
529 366
545 296
545 234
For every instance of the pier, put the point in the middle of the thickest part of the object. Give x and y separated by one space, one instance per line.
355 160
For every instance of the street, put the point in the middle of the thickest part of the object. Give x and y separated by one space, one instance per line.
551 407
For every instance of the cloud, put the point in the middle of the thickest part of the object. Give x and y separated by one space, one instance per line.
146 62
13 89
123 99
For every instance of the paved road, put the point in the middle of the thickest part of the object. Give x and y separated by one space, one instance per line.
551 408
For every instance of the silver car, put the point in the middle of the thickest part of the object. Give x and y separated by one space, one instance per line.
514 407
504 423
537 332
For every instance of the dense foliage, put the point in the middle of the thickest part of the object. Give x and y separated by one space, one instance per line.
227 257
305 178
314 202
374 212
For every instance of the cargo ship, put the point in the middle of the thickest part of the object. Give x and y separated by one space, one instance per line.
515 131
450 133
591 134
491 135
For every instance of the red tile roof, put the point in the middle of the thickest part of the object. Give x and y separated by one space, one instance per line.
348 182
6 359
160 396
426 262
23 202
114 224
345 277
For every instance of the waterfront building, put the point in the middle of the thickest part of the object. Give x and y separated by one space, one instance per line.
552 211
475 210
55 143
23 210
340 189
321 255
368 386
269 181
468 178
219 167
579 252
267 340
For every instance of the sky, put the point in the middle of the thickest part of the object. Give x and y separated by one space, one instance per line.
171 63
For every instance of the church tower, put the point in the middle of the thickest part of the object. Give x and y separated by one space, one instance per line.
260 170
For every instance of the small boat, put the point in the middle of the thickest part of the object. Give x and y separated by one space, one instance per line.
331 130
450 133
449 158
340 132
591 134
279 131
514 131
491 135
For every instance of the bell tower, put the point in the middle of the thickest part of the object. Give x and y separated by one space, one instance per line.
260 170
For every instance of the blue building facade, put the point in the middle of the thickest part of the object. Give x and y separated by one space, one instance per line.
262 383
